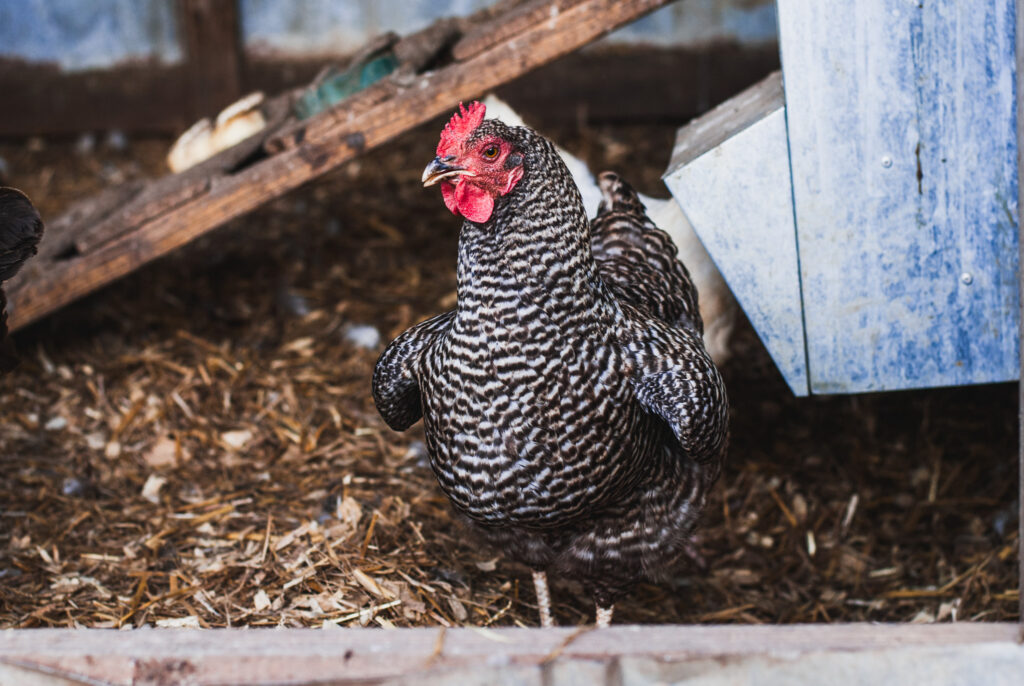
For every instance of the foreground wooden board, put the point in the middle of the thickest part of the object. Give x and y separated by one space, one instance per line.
319 145
936 654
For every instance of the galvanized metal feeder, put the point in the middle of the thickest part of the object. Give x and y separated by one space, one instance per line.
870 230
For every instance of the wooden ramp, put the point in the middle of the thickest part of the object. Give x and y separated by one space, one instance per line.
110 235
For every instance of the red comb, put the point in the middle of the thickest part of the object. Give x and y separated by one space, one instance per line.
460 125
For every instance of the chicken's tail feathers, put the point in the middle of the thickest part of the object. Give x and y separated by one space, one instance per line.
618 196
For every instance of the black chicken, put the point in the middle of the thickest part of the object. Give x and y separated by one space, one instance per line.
20 232
572 414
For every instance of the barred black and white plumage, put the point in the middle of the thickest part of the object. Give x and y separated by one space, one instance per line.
571 412
21 229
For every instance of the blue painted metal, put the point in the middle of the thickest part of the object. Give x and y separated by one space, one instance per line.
903 153
738 198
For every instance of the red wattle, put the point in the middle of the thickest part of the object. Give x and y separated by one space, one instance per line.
448 193
473 203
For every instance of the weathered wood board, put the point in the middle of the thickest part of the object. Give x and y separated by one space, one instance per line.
730 174
902 139
936 654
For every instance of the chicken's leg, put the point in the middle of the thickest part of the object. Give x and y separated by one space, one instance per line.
604 616
540 584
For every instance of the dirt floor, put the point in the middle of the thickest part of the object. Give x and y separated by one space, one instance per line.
196 445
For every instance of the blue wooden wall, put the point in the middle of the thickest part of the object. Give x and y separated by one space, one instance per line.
902 136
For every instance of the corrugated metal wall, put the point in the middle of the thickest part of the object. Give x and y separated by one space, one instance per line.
101 33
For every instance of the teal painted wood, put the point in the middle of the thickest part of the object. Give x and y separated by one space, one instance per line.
730 175
903 152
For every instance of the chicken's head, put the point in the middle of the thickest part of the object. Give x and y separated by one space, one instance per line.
475 164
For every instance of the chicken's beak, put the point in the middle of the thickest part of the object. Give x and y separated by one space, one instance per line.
440 169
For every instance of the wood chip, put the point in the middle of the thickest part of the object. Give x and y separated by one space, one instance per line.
190 622
163 453
151 490
261 601
236 440
368 583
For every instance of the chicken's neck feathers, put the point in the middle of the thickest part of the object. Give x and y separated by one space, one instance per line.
536 246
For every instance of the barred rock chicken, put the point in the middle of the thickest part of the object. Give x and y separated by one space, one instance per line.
572 414
20 232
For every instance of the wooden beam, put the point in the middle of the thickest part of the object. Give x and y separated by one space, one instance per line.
518 18
316 146
213 48
938 654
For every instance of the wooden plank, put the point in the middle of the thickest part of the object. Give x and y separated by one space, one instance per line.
213 48
328 140
901 128
61 232
644 654
728 119
508 25
730 174
170 192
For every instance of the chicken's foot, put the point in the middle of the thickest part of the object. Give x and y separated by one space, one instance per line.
604 616
540 584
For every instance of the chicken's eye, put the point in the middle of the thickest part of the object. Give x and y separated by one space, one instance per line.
490 152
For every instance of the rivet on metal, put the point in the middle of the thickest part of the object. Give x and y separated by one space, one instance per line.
886 161
966 278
